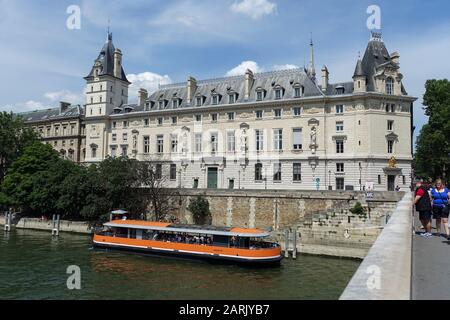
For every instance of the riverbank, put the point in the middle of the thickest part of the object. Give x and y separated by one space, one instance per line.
80 227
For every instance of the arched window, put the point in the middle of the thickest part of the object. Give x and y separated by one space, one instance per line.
389 86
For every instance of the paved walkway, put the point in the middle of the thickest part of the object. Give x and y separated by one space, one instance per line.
430 266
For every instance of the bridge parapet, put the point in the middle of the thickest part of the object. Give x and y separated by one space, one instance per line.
385 273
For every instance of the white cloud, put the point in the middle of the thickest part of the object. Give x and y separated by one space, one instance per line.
64 95
29 105
284 67
242 68
254 8
146 80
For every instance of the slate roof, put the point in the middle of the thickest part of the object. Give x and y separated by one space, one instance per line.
376 55
106 58
268 82
52 114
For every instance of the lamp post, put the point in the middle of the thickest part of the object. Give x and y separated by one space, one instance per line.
329 180
360 177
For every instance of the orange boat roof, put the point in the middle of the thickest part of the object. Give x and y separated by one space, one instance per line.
243 230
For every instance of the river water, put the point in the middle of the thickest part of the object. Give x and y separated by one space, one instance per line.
33 265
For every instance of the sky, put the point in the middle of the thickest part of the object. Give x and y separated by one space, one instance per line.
164 41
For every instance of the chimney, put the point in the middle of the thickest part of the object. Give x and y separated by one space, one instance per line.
249 80
63 106
142 96
118 63
395 57
325 78
191 88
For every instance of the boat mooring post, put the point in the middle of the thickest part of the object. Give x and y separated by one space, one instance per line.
294 248
8 221
286 245
55 225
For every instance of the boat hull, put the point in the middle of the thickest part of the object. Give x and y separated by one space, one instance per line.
271 256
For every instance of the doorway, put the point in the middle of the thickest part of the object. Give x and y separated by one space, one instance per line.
391 183
212 178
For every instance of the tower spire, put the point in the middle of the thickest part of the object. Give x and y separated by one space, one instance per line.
312 68
109 34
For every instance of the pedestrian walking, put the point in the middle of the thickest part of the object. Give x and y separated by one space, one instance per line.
422 202
440 196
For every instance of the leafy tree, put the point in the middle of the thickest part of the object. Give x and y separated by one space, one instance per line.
14 137
152 188
23 176
433 145
199 207
358 209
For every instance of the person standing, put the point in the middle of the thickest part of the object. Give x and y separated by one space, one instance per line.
422 202
441 196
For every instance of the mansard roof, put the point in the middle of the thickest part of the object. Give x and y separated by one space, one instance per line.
269 81
376 56
106 60
72 111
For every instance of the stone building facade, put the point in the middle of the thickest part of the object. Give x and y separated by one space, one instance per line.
62 128
276 130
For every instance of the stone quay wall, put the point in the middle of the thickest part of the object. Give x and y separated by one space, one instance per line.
65 226
322 220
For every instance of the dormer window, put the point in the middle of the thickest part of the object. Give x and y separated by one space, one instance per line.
340 90
161 104
199 101
215 99
389 86
175 103
147 106
278 93
298 91
232 97
260 94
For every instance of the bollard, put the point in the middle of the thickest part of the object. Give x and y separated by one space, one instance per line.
294 249
8 222
55 225
286 248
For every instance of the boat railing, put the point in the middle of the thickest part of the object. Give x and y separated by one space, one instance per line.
254 245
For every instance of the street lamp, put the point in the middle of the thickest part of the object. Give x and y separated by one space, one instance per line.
329 180
360 177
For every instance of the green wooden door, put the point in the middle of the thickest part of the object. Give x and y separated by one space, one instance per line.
212 178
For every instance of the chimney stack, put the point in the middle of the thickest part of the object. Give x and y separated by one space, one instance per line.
325 78
142 96
395 57
249 80
191 88
118 63
63 107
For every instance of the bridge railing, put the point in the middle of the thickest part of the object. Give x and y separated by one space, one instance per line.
385 273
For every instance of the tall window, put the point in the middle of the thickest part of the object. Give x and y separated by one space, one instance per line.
339 109
113 152
297 92
230 116
259 135
198 142
94 152
173 171
339 146
297 172
390 125
125 124
278 94
278 139
114 125
340 167
214 117
259 114
174 143
339 126
340 184
258 172
146 144
297 138
124 151
277 172
390 146
214 142
160 144
231 141
198 118
146 122
158 171
160 121
297 112
174 120
277 113
389 85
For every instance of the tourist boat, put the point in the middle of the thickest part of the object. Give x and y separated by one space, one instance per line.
237 245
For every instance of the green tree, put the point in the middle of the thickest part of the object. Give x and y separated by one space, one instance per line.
433 145
23 175
199 207
14 137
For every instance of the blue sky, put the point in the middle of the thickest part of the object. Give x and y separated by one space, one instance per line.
168 40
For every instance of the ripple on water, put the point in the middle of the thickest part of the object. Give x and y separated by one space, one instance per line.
33 266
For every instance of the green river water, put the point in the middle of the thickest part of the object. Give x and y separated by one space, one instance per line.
33 266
